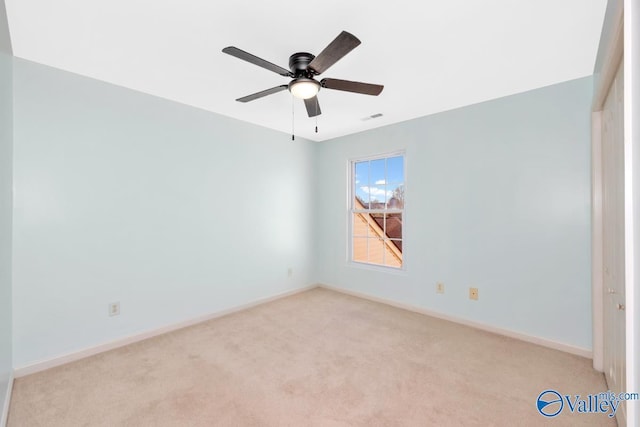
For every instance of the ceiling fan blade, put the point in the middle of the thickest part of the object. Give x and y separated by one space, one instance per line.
339 47
313 106
349 86
262 93
246 56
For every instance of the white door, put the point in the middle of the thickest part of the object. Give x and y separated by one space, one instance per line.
613 239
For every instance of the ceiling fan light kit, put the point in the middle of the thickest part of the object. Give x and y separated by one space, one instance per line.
304 67
304 88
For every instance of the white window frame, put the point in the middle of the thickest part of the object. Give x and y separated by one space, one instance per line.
351 211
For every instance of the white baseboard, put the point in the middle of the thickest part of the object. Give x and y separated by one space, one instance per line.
496 330
4 417
42 365
100 348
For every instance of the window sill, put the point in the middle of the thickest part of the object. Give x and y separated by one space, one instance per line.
378 268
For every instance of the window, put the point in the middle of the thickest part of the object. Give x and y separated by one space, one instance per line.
377 210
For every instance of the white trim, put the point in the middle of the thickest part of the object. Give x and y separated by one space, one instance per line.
609 56
610 53
351 163
4 417
632 198
379 268
496 330
100 348
629 257
381 155
87 352
597 285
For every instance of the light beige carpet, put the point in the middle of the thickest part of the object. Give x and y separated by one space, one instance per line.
319 358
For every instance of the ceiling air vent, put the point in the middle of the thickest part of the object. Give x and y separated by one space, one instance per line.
373 116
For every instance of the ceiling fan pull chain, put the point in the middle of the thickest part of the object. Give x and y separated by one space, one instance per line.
316 124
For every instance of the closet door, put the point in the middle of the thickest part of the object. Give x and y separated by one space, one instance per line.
613 239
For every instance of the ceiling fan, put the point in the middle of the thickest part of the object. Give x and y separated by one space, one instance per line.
304 67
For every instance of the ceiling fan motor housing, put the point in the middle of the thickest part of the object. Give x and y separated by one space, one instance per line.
298 63
303 84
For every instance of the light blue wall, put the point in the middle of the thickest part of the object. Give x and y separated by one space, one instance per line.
498 197
6 206
173 211
176 212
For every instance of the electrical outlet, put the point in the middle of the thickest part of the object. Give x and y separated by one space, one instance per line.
473 294
290 272
440 288
114 309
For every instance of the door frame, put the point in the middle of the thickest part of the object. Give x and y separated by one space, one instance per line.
620 34
610 54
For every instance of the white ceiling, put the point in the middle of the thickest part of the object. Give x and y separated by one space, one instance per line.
430 55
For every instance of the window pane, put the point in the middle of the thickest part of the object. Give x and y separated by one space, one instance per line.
361 185
377 196
360 252
361 201
377 172
398 245
395 169
393 225
362 173
376 251
376 225
360 224
396 196
393 257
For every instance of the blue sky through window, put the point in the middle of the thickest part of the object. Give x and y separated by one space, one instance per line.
376 180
